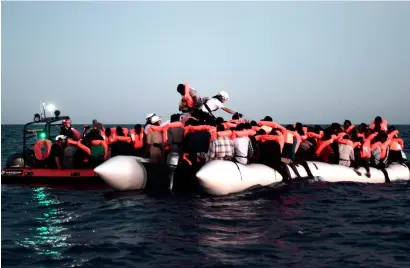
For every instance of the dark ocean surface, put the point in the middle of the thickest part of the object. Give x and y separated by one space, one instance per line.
309 225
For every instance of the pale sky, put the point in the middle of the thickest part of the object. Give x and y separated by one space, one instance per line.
314 62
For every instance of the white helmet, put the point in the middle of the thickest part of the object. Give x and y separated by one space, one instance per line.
224 94
61 137
155 119
149 116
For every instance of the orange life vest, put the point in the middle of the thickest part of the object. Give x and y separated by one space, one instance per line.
396 144
229 125
349 129
79 145
243 133
383 125
321 145
187 96
315 135
225 133
169 126
269 124
238 121
304 129
137 139
366 151
392 134
279 139
382 146
210 129
256 128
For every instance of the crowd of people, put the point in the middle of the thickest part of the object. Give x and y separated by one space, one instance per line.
198 137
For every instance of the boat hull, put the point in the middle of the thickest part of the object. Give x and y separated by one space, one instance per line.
41 176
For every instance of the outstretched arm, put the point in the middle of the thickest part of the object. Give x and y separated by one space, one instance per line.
228 110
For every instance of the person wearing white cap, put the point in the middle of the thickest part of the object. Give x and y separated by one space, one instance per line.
154 141
213 104
148 122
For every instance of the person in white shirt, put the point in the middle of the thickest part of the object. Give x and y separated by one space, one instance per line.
243 147
211 105
148 122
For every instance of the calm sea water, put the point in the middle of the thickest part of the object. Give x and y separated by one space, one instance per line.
310 225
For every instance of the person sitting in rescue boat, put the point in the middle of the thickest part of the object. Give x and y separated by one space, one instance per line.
55 160
243 146
175 133
396 146
346 153
267 129
121 144
380 123
221 147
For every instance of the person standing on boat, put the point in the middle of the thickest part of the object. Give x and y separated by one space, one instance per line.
148 122
68 131
97 125
190 100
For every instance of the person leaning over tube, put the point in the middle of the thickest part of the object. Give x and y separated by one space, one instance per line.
212 105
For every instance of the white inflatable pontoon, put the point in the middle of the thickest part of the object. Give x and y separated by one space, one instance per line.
123 173
220 177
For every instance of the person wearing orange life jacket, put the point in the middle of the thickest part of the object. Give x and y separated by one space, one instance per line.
324 151
364 154
347 126
137 140
98 148
306 150
380 150
148 122
121 144
155 144
173 133
379 123
69 131
196 142
380 153
242 145
346 153
396 146
266 128
190 100
221 147
292 143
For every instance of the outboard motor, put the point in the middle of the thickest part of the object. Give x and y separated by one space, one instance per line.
172 163
15 161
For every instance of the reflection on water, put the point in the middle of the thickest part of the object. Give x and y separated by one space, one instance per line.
251 225
50 237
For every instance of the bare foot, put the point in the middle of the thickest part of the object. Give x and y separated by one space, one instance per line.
368 175
357 172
